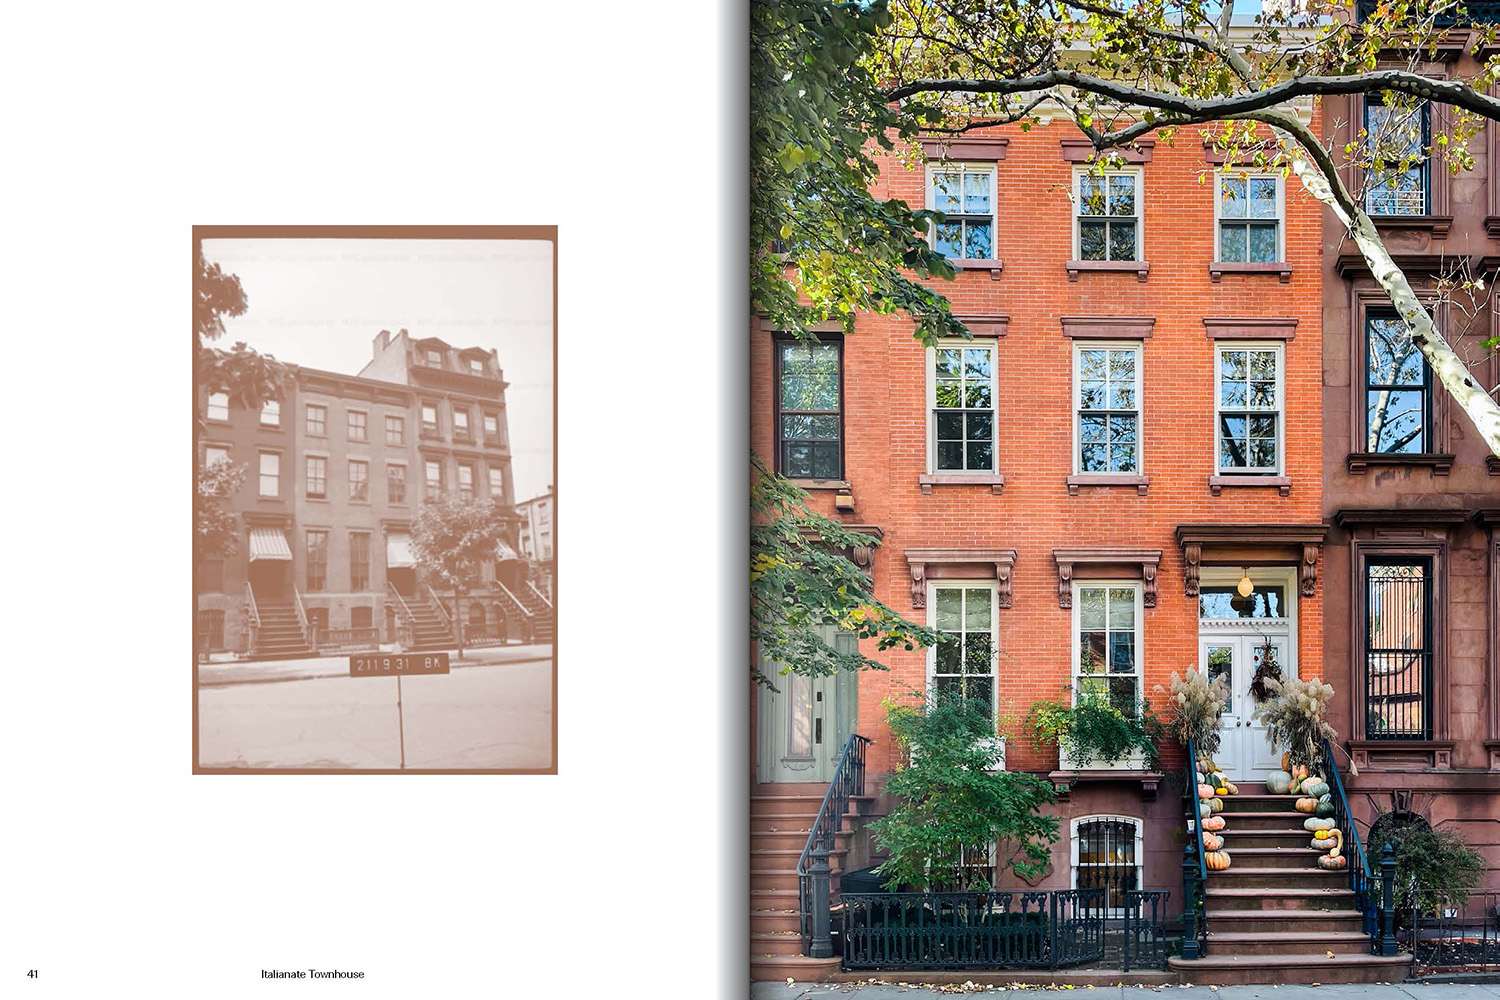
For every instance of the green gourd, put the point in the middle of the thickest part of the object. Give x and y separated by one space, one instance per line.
1324 808
1316 790
1315 823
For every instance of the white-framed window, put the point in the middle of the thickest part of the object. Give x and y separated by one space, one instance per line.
1107 618
460 422
497 483
270 413
1397 141
965 193
963 665
1107 407
218 406
476 366
961 394
1249 402
270 474
434 358
1249 213
213 454
1107 220
1107 853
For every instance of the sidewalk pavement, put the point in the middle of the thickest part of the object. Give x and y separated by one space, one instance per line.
261 671
1435 988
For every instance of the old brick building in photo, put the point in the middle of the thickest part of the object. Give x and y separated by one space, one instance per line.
1153 414
337 470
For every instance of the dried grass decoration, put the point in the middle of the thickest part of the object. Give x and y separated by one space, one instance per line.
1198 702
1293 718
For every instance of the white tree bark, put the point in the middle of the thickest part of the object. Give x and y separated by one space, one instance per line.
1446 365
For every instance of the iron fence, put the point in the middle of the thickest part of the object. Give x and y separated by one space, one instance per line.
346 640
1038 929
1452 931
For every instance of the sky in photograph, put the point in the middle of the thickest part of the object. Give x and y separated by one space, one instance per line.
321 303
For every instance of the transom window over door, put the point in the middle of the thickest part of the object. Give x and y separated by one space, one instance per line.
963 409
810 379
1396 141
1398 403
963 664
965 193
1398 649
1249 219
1107 643
1108 381
1249 408
1109 215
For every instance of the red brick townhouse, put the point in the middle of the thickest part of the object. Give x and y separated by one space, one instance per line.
1135 427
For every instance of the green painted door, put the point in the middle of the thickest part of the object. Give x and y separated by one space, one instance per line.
803 723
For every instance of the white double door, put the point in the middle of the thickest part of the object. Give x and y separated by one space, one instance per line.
1245 754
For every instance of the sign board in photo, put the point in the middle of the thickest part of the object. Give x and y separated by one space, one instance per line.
397 664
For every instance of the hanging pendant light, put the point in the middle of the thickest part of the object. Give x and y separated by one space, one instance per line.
1245 586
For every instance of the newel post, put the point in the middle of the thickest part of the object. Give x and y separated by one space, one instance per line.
1387 900
1189 900
822 916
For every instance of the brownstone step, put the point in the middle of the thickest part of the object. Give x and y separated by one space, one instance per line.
1277 878
1264 942
1238 839
784 805
1258 803
1230 970
773 943
798 967
768 921
1266 821
765 879
1243 858
1257 897
1304 921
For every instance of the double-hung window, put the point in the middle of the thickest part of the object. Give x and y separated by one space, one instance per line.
1398 648
434 479
965 194
1250 404
395 430
214 454
317 477
962 408
476 366
460 423
359 480
359 561
1107 643
497 484
317 420
270 413
1107 381
1250 216
317 559
1109 215
1396 142
358 425
466 481
810 418
270 474
1398 389
395 483
429 420
962 665
492 428
218 406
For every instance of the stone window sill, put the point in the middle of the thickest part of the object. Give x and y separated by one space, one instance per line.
994 481
1360 461
1141 483
1139 268
842 485
1219 268
1402 754
1437 225
1063 780
977 264
1216 484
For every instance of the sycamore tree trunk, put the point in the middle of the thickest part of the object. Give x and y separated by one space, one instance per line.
1445 364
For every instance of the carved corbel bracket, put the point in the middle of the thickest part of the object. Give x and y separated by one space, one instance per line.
1307 570
965 562
1192 561
918 583
1138 563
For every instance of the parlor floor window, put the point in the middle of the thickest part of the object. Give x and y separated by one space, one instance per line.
963 665
1398 649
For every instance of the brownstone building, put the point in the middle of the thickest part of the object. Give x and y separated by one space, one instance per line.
337 470
1412 494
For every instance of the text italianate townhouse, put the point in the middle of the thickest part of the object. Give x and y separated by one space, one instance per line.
1259 421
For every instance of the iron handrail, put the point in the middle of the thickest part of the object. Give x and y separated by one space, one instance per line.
254 610
302 617
1194 869
1361 879
405 623
539 595
516 601
439 605
848 780
1192 773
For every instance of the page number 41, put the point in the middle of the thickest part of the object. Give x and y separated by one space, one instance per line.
30 973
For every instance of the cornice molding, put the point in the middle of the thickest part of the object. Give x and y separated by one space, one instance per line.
917 561
1137 563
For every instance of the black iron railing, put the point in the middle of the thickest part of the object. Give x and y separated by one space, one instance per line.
1373 900
1143 942
1194 872
345 640
813 875
1452 931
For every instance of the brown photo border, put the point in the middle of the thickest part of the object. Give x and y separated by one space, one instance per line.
540 233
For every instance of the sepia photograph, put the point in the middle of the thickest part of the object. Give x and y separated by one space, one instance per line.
374 538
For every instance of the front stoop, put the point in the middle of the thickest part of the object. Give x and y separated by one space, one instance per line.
798 967
1317 969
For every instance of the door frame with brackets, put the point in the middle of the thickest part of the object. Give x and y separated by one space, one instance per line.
1245 754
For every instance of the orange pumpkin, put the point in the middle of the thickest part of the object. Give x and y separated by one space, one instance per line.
1306 805
1212 843
1205 791
1213 822
1216 860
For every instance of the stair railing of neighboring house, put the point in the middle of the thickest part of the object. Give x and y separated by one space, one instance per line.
1377 907
252 619
814 902
539 595
442 610
1194 872
516 606
404 632
307 633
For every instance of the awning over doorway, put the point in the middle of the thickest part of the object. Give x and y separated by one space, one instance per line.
269 543
398 551
503 551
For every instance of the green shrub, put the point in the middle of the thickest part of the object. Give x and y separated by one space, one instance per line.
1433 867
1095 730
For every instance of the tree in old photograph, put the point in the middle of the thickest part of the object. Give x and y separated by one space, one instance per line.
452 538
